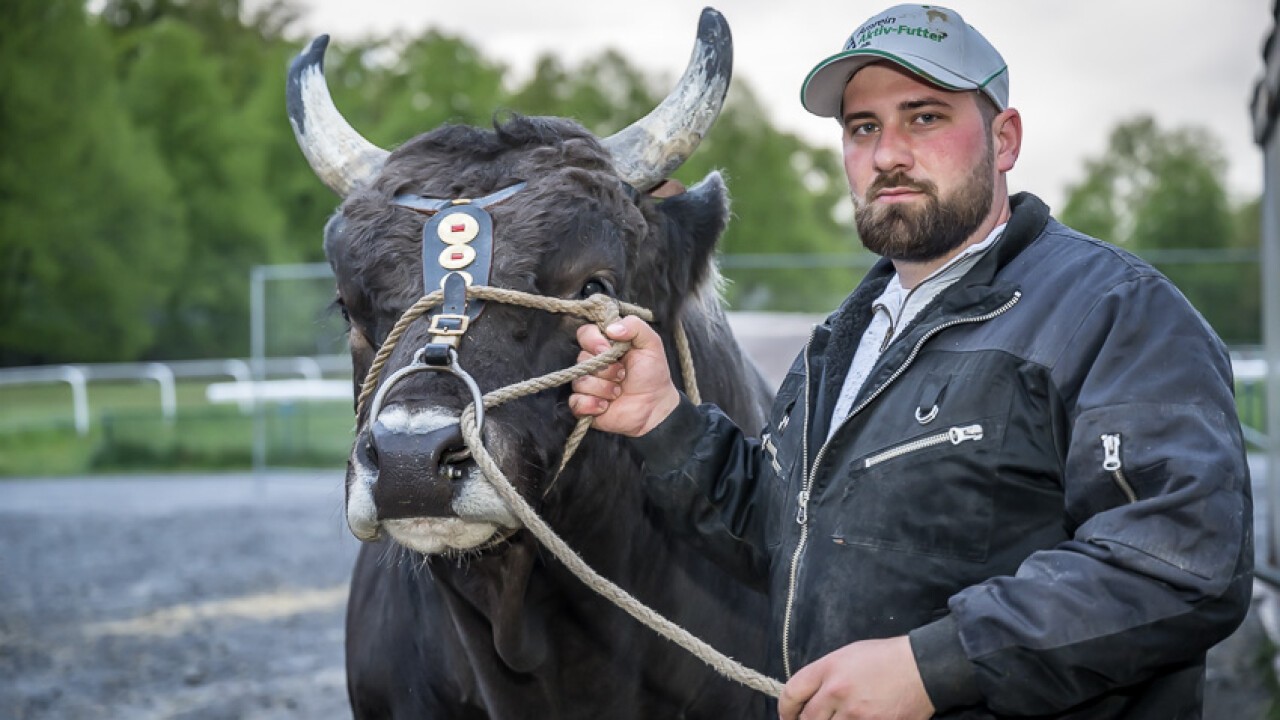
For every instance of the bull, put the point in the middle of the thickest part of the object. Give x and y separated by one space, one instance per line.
454 610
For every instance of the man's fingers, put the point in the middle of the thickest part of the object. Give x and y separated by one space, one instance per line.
798 691
596 387
592 340
613 371
632 328
587 405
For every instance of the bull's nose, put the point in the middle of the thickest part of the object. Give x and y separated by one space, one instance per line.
414 476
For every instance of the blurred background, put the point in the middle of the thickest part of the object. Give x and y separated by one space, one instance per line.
169 347
160 232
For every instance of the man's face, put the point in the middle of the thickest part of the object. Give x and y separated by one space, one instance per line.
920 163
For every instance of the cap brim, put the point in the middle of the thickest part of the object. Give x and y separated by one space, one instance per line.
823 91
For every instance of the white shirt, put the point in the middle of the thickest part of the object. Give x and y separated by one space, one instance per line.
894 310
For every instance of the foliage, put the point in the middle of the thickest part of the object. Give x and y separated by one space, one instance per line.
217 164
1159 193
88 214
148 164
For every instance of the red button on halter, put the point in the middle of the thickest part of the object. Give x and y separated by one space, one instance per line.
458 228
455 257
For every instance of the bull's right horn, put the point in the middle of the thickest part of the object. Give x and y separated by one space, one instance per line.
339 155
647 151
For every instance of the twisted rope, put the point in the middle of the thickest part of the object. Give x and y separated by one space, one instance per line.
721 663
602 310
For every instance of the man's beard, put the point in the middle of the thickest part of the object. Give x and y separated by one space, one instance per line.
921 234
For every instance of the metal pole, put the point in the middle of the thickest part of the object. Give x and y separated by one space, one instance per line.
257 359
1271 337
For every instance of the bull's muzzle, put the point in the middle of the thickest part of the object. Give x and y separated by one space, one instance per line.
415 477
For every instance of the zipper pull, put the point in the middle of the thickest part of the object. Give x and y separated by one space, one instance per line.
1111 452
958 435
802 515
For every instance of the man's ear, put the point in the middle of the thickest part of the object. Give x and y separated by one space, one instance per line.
1006 131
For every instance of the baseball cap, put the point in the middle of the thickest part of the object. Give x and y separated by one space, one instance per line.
928 40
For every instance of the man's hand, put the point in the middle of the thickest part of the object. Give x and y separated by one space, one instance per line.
633 395
868 680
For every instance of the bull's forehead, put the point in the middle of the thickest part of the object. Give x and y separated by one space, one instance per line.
564 222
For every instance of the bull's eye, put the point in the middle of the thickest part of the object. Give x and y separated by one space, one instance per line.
595 286
341 305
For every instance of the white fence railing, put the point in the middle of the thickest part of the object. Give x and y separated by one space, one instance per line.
165 374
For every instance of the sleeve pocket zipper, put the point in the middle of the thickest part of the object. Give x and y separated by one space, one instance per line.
955 436
1111 463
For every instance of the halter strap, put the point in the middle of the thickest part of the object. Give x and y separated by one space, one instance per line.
432 205
457 253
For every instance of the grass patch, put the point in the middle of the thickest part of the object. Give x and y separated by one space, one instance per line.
128 432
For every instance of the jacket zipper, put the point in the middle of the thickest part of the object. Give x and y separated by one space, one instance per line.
802 514
1111 463
802 518
955 436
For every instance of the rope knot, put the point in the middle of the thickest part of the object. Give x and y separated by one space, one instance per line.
601 309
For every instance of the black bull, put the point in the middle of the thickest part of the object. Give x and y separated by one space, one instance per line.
459 613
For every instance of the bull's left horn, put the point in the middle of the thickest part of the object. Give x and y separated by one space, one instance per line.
650 149
339 155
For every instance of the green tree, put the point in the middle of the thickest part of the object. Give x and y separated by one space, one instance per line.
1159 193
177 91
90 231
604 93
435 79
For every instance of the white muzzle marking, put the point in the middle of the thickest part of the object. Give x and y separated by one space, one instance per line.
480 511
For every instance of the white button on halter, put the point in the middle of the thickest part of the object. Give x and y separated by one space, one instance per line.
457 229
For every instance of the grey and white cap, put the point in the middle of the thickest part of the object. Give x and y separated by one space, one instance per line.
930 41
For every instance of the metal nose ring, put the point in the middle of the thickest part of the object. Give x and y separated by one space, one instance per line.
419 364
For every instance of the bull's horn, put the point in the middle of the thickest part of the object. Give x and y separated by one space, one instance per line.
651 148
339 155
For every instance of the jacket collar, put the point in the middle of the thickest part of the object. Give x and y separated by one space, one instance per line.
835 341
1027 220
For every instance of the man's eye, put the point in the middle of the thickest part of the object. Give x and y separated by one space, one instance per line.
862 128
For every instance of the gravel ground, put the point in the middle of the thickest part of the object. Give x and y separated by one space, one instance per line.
222 597
191 597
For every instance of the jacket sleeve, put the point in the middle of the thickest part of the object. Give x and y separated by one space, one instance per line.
1158 566
703 472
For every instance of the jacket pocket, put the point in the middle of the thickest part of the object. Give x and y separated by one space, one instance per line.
954 435
930 495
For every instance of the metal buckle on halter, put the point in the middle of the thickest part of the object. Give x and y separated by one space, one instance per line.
449 324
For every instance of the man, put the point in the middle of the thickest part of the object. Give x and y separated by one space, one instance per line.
1006 477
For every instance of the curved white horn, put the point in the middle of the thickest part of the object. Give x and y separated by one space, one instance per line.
650 149
339 155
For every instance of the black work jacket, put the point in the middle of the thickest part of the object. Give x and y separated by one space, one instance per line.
1042 482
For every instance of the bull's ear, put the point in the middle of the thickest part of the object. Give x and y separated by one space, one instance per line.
691 224
667 188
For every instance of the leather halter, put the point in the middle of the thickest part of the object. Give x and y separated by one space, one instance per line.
457 253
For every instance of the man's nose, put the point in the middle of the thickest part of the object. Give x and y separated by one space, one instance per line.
892 151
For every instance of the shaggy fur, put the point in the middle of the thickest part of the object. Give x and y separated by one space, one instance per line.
507 632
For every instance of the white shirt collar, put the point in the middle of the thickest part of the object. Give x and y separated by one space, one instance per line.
893 294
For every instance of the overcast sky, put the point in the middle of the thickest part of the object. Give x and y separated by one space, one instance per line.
1077 67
